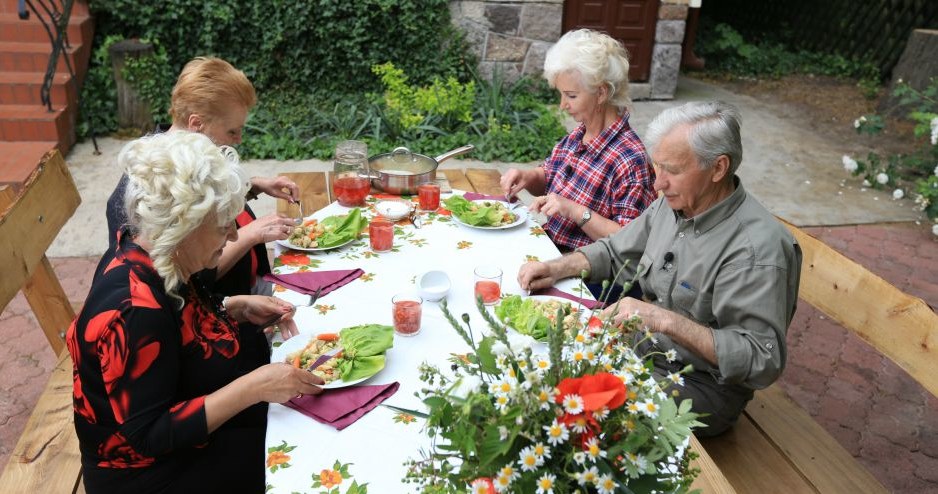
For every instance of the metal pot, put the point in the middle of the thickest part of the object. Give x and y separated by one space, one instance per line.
401 170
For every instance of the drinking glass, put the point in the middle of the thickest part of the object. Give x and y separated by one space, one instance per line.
488 284
350 178
406 312
428 195
381 235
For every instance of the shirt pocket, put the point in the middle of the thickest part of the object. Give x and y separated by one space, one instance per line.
649 289
688 301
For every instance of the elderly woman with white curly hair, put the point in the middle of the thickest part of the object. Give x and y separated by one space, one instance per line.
161 402
598 178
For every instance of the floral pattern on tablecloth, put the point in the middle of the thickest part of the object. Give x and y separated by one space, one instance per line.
404 418
277 457
332 479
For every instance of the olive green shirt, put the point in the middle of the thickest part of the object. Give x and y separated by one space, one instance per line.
733 268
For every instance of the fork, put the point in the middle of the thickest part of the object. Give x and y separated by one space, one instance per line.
312 300
299 221
513 204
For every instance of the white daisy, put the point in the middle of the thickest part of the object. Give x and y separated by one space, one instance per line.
542 451
529 460
542 364
557 433
638 460
601 414
573 404
676 378
588 477
633 408
670 355
606 485
508 472
593 451
545 484
579 425
649 408
546 396
502 483
501 402
579 457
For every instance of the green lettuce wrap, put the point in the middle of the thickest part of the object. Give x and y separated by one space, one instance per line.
342 228
462 209
523 315
363 350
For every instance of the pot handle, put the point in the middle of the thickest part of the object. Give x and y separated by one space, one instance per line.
456 152
401 151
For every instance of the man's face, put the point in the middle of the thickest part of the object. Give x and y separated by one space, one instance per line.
685 186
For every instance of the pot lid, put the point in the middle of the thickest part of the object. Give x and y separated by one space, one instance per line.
402 160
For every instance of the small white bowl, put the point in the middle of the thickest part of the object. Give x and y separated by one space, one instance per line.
392 210
433 285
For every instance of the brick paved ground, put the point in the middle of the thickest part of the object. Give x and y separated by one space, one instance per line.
876 411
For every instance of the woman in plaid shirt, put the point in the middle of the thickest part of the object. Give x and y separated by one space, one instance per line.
597 178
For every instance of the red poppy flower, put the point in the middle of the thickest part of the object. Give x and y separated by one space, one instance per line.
599 390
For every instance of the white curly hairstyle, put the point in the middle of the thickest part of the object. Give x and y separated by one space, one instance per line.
599 60
176 180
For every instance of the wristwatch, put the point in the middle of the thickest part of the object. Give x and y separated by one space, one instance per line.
586 217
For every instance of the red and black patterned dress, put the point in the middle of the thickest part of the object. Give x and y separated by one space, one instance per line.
142 368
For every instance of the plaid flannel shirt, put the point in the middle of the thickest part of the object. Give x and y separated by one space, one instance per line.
611 175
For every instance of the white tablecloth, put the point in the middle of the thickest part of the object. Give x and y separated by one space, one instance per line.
373 450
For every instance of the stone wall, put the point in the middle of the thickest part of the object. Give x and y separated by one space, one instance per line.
511 37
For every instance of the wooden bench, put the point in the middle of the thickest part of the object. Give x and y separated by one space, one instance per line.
46 458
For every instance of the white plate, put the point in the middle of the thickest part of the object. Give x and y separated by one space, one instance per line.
279 354
583 312
308 249
520 211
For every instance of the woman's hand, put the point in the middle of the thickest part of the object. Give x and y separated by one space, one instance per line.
554 205
278 383
275 314
274 187
515 180
268 228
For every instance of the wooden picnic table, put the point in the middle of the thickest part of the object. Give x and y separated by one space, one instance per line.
315 193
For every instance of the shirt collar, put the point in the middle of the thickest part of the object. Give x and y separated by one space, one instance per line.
710 218
604 138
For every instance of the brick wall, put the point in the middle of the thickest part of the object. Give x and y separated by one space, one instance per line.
512 37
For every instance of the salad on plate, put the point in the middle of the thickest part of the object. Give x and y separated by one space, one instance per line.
361 353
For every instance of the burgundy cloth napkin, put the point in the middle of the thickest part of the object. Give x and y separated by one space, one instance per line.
589 304
309 281
341 407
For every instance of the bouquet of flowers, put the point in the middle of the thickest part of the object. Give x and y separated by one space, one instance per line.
583 415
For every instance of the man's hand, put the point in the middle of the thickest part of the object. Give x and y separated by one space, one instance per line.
683 331
539 275
279 187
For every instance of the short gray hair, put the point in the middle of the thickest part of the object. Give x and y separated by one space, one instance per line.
599 60
175 181
714 131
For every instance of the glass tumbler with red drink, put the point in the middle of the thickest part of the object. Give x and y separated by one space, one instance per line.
406 312
350 183
428 195
488 284
381 235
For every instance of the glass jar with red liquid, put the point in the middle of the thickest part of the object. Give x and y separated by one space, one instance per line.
406 312
428 195
350 183
381 235
488 284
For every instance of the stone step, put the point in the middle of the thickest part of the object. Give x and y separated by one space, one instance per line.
25 88
12 28
35 123
18 56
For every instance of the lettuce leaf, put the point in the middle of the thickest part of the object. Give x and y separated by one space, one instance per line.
341 229
482 216
523 315
363 350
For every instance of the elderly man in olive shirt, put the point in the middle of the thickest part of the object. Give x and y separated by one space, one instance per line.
719 273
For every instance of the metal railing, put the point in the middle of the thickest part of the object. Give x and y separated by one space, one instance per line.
54 17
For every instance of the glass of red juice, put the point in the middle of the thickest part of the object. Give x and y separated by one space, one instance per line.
381 235
406 312
488 284
428 195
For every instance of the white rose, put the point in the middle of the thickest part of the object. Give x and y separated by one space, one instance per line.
882 178
936 170
850 164
934 132
934 229
898 194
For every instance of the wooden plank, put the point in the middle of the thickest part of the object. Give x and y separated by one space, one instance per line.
711 479
900 326
485 181
751 462
46 457
814 453
457 180
28 227
50 304
314 192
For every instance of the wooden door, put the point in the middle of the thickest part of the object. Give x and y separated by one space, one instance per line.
632 22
